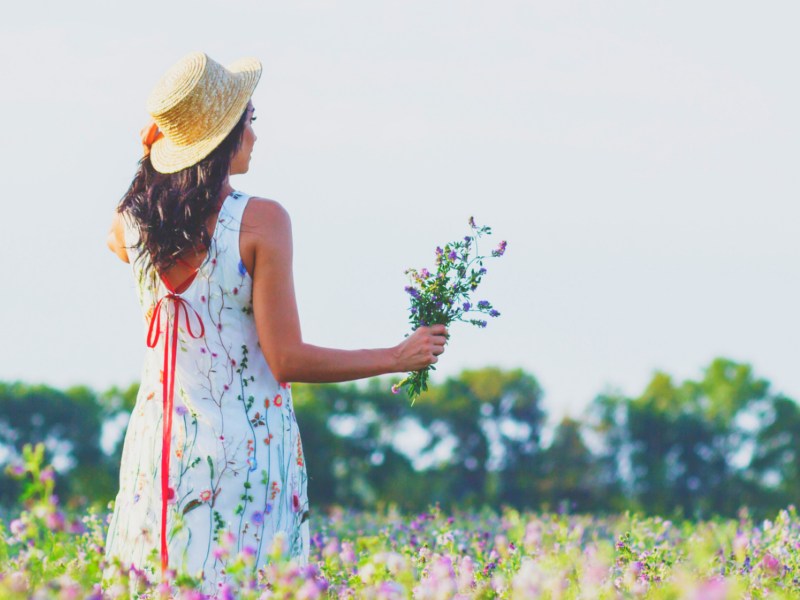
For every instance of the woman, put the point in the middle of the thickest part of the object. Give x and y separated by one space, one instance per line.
212 462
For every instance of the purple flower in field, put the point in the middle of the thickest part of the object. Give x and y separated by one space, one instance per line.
17 471
771 565
637 567
483 304
425 273
500 250
452 255
55 521
331 548
467 239
494 313
467 306
47 475
257 517
181 410
713 589
268 508
76 527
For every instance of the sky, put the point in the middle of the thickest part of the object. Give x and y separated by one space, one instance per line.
639 158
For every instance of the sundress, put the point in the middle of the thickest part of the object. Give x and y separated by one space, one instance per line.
237 480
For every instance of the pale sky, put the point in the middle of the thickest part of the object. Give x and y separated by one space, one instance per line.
639 157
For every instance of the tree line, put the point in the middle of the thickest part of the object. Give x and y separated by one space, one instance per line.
693 448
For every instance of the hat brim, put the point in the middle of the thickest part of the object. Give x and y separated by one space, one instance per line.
169 157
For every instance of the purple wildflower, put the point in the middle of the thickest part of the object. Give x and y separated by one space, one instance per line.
452 255
181 410
425 273
257 517
483 304
412 291
55 521
494 313
268 508
500 250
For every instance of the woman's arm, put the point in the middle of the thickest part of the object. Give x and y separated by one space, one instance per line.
116 238
266 249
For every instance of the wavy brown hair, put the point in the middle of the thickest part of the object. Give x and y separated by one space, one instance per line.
171 210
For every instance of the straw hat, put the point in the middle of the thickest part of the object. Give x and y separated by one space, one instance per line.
195 105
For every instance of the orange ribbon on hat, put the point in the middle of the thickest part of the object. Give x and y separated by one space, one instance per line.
150 134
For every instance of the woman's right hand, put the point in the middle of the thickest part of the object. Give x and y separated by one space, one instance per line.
421 349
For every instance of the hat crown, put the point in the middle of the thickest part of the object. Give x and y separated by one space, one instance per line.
192 99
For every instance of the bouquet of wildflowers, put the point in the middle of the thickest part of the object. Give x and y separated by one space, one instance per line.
444 296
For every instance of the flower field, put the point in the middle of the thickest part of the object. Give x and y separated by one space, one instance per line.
47 551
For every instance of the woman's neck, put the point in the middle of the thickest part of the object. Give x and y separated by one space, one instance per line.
224 191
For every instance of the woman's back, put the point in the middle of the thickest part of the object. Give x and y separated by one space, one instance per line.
236 468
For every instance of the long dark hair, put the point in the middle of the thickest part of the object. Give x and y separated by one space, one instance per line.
171 209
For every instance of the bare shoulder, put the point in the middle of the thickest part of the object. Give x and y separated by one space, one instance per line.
266 225
265 216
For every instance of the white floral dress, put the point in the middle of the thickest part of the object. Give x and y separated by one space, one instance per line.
232 449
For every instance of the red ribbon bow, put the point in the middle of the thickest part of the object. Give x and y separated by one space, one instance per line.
180 305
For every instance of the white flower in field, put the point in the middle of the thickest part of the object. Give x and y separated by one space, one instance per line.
394 561
444 538
466 574
527 581
117 590
367 572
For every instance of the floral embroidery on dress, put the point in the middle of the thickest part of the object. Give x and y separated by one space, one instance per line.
224 483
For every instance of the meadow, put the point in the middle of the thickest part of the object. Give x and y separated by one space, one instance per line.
51 551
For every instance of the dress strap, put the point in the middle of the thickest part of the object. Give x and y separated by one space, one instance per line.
183 285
